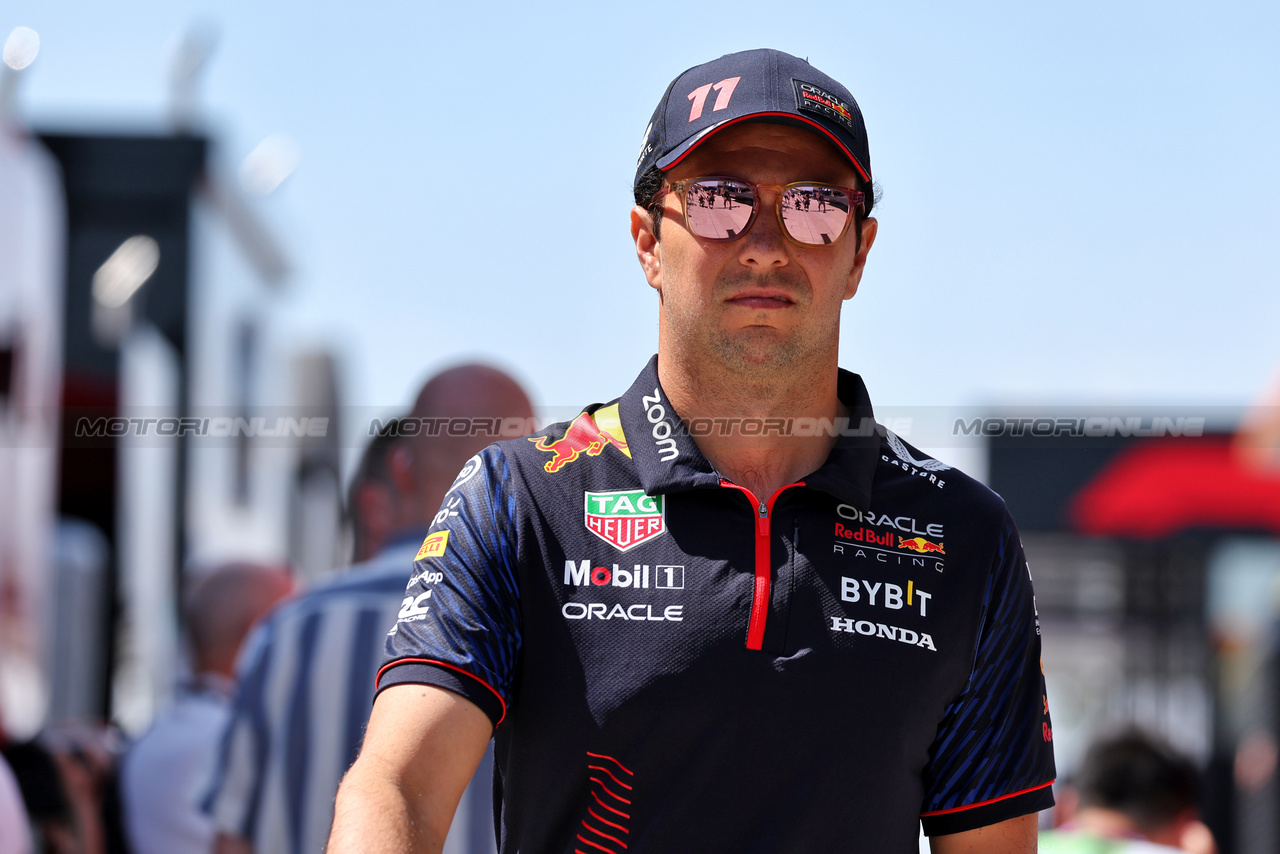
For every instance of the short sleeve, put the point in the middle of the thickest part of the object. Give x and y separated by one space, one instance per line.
459 624
992 759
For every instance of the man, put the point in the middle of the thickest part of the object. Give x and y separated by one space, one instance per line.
722 613
1137 795
306 684
166 771
371 497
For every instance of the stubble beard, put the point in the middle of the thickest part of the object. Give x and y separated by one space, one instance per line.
754 360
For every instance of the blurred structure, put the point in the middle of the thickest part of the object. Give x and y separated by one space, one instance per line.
32 237
152 417
1155 547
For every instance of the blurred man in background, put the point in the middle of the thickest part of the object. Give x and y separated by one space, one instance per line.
164 774
15 831
1136 795
371 498
306 685
63 775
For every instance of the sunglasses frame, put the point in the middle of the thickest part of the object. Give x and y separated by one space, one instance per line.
857 200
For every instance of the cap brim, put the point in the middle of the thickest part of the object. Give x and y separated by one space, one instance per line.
682 150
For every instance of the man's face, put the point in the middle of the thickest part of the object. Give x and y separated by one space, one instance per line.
761 301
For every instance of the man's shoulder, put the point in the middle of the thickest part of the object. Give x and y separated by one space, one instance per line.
904 466
591 438
195 717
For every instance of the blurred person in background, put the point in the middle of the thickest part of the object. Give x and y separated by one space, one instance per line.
306 685
164 773
15 830
371 498
1134 795
64 774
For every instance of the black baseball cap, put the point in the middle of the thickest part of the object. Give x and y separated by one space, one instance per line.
752 85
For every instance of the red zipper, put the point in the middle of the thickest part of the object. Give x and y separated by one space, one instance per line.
761 591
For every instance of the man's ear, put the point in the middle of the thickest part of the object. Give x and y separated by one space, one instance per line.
376 511
642 232
400 467
869 227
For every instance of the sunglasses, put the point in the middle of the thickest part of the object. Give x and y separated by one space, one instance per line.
721 209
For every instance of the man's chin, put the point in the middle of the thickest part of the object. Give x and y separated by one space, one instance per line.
758 348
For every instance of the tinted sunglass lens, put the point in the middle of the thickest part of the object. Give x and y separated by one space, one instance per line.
718 209
815 214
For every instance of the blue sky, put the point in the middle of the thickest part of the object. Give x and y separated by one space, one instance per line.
1080 199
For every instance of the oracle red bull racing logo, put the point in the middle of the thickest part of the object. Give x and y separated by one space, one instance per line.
582 437
908 542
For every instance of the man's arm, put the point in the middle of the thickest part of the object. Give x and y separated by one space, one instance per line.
992 759
1014 836
422 745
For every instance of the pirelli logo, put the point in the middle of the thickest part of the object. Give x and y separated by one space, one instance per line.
433 545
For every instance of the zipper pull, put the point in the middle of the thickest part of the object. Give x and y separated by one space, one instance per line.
762 521
764 510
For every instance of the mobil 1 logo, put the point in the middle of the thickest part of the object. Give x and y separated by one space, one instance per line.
640 577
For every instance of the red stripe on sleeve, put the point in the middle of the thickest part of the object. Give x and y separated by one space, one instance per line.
984 803
447 666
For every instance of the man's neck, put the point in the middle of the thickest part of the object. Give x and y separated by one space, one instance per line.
752 439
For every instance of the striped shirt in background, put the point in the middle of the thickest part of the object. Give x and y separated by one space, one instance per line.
306 681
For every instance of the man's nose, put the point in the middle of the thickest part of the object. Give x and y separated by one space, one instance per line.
764 244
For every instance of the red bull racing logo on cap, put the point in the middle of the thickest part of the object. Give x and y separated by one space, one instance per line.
625 518
584 436
815 99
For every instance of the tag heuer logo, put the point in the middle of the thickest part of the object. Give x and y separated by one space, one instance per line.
625 518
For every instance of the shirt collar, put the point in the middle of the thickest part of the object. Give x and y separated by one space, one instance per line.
668 460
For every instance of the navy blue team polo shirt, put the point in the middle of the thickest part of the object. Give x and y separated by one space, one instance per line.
674 664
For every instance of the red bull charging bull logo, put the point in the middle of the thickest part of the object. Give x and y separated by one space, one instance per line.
582 437
921 545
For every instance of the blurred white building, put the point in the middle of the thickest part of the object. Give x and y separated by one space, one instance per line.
153 419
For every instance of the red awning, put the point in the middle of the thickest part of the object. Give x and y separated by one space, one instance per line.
1163 486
